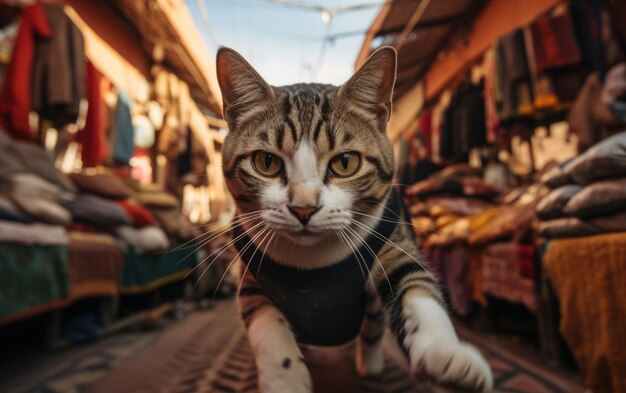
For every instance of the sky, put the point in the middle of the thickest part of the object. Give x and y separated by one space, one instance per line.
285 44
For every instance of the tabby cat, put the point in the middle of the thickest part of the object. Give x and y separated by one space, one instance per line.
327 254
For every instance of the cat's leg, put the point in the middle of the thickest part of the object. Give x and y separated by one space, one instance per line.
280 363
421 324
370 357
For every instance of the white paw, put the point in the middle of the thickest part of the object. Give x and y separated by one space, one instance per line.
370 359
286 375
454 364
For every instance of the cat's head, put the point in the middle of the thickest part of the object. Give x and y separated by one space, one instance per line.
308 158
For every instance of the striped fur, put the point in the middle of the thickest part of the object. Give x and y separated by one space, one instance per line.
306 126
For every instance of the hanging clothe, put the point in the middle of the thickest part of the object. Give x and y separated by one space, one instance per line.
8 34
123 132
58 82
92 137
425 129
15 99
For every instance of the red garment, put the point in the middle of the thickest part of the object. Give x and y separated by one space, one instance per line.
426 129
15 99
140 216
92 136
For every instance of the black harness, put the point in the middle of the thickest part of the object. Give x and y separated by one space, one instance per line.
324 306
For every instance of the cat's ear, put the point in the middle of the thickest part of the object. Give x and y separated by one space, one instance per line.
242 87
371 86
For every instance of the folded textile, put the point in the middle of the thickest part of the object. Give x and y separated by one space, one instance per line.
140 216
42 234
588 276
432 187
104 185
457 171
503 276
170 220
10 212
96 264
511 222
156 199
33 279
26 157
604 160
598 199
29 184
556 177
145 240
96 211
552 205
43 209
477 187
575 227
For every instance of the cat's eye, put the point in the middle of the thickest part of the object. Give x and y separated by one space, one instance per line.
267 164
345 164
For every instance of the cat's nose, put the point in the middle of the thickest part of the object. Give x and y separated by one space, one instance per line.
303 213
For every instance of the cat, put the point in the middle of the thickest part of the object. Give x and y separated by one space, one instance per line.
321 231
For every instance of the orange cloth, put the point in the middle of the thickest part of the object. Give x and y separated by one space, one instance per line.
589 277
15 99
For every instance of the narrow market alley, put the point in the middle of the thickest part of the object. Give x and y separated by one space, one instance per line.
312 196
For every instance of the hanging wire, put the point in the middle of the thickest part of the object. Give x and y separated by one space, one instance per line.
204 16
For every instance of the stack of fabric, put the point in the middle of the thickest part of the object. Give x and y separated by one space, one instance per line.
33 240
588 194
441 208
585 258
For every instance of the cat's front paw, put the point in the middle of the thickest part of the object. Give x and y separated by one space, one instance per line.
288 375
453 364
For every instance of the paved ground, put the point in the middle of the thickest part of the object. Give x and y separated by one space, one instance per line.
207 351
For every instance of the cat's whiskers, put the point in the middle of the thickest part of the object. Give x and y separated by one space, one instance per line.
265 250
357 249
223 249
342 236
236 257
401 221
213 237
247 265
356 234
389 242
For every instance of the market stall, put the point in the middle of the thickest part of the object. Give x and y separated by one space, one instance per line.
99 165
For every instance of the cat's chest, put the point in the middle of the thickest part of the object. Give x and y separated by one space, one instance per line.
323 306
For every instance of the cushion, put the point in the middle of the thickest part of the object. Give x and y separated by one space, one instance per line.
10 212
150 239
576 227
556 177
103 185
43 234
33 185
43 209
457 171
26 157
38 161
157 199
477 187
552 205
96 211
170 220
604 160
432 187
597 199
140 216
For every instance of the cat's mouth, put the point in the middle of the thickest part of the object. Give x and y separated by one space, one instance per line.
305 236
